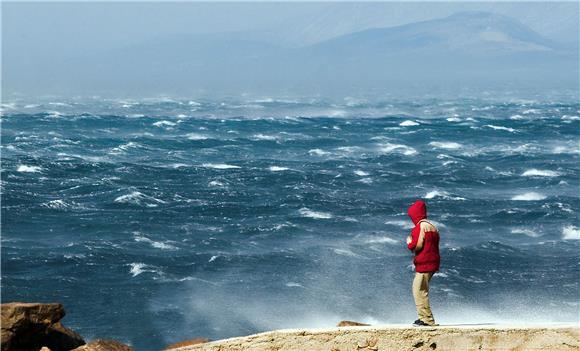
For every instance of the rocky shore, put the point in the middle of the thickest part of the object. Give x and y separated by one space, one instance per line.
37 327
402 338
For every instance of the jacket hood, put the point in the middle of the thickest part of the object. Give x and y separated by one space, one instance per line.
417 211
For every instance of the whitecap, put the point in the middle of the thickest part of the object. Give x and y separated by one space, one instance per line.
408 123
443 194
57 205
400 223
525 231
164 124
517 117
445 145
294 285
540 173
138 268
453 119
216 183
399 148
365 180
360 173
530 196
219 166
137 198
345 252
212 258
511 130
380 240
28 169
277 168
305 212
264 137
156 244
196 136
571 232
318 152
124 147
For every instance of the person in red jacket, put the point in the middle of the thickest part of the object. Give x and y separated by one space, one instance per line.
424 242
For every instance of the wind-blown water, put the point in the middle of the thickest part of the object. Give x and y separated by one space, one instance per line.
160 220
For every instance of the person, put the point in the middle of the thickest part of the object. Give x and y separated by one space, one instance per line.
424 242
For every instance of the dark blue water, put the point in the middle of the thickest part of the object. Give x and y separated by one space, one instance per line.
160 220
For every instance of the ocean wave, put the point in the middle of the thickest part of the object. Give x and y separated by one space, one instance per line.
380 240
530 196
155 244
277 168
511 130
164 124
124 147
318 152
571 232
28 169
305 212
196 136
59 205
360 173
265 137
540 173
400 223
219 166
526 232
138 198
445 145
442 194
397 148
408 123
139 268
216 183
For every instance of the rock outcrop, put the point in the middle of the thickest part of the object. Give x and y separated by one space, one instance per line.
351 324
397 337
190 342
30 326
104 345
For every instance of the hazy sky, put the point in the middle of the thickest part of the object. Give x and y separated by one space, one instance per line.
37 34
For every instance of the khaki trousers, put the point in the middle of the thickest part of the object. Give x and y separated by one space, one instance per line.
421 295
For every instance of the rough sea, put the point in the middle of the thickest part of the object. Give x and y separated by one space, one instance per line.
159 220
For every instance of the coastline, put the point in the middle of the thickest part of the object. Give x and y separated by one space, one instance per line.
403 337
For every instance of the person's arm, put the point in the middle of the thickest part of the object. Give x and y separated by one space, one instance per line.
420 241
414 239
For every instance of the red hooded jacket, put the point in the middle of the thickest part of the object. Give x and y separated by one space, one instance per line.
427 259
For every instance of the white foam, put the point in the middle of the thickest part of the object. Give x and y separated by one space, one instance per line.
219 166
318 152
571 233
381 240
345 252
445 145
525 231
294 285
196 136
156 244
56 205
137 268
361 173
453 119
399 148
277 168
365 180
531 196
511 130
216 183
138 198
517 117
305 212
540 173
212 258
28 169
124 147
408 123
443 194
164 124
400 223
264 137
